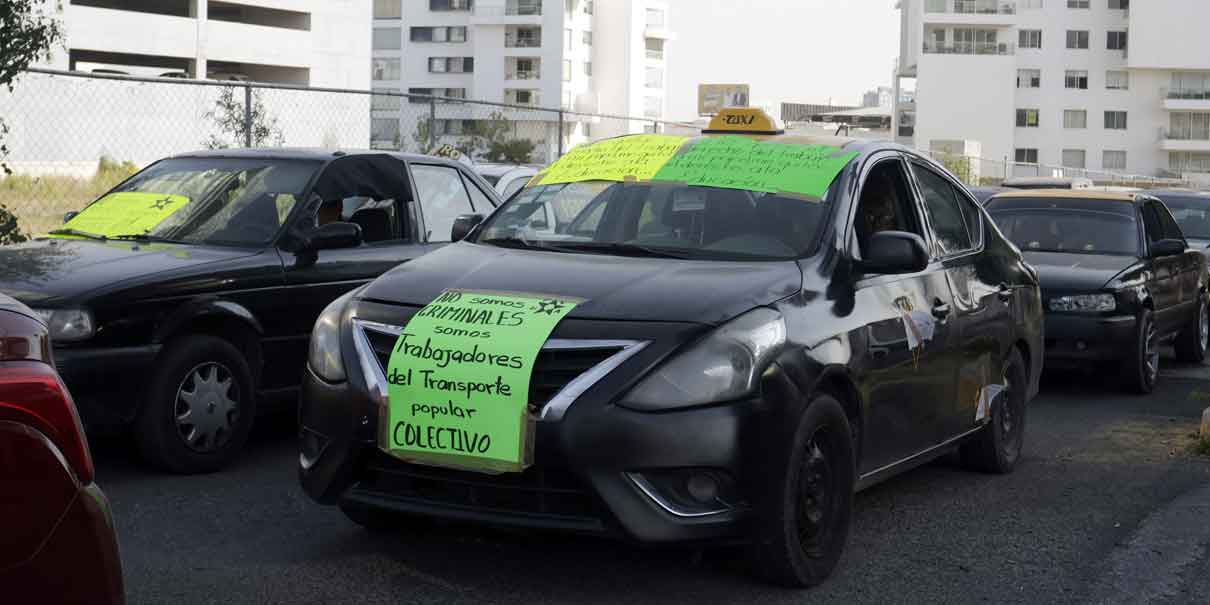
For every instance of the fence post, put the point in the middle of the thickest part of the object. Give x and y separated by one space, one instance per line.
655 127
432 124
1006 168
560 134
247 115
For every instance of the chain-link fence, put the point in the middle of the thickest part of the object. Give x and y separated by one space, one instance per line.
72 136
977 171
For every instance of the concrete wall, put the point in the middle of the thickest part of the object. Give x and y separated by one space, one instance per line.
1170 34
972 108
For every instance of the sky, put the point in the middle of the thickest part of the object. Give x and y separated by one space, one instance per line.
787 50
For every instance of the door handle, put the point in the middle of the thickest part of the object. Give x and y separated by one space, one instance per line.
941 310
1005 292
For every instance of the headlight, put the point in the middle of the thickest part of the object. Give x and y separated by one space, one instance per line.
323 354
68 325
725 366
1084 303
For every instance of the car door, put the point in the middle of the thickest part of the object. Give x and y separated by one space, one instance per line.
1165 283
372 192
1189 266
909 368
981 315
444 192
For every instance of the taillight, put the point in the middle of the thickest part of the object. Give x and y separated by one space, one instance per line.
32 393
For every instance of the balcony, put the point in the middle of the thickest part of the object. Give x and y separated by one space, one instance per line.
522 68
1185 139
523 37
528 98
969 48
1186 99
973 12
510 12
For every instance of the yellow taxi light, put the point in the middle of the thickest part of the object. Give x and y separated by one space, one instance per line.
745 120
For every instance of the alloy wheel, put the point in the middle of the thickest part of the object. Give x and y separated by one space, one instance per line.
1203 326
817 494
207 407
1151 354
1009 416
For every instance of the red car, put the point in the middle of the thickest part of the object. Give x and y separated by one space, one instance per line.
58 543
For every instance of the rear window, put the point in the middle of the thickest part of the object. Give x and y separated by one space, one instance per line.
1078 227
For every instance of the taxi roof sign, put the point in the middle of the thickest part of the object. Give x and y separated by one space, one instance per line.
743 120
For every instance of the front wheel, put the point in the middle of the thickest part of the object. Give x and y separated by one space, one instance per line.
998 446
1191 343
199 407
1142 367
800 536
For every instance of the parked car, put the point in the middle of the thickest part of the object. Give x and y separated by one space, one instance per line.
1191 209
732 363
1118 278
506 178
203 274
59 544
1046 182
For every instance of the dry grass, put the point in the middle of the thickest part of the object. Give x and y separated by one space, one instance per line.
1202 447
39 202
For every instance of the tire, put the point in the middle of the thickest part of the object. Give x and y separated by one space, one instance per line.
1141 368
217 375
800 534
1191 343
997 448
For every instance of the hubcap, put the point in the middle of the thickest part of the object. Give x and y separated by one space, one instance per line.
207 407
1151 354
1203 326
1010 419
817 493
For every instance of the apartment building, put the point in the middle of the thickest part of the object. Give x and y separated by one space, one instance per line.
1090 84
304 42
579 55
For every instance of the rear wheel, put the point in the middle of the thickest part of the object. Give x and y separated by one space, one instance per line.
1141 368
1191 343
800 537
199 408
998 446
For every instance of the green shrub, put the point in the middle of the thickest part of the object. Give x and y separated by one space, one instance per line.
10 232
514 151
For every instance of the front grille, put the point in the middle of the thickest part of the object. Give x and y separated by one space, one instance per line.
553 369
553 494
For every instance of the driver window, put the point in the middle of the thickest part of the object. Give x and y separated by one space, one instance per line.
378 219
443 198
885 204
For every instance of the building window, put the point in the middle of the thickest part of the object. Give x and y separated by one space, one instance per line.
653 107
1189 161
655 18
1119 4
388 38
1075 118
655 49
388 9
1076 79
567 70
522 68
438 34
1029 78
587 7
1027 118
452 65
1029 38
383 101
1115 120
1077 38
1117 80
450 5
1116 41
422 94
523 37
1113 160
1186 126
384 129
588 68
385 69
1073 158
517 96
587 38
567 38
1026 156
655 77
1078 4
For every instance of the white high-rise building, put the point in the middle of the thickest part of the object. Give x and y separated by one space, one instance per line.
579 55
304 42
1092 84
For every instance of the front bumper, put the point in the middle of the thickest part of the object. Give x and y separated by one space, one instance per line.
581 477
1073 339
105 382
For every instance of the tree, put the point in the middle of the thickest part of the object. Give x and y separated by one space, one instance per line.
27 32
514 151
228 116
421 136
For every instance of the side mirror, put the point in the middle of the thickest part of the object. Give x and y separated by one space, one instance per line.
333 236
67 216
1167 247
463 225
895 253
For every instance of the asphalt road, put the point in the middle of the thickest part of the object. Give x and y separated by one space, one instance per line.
1107 505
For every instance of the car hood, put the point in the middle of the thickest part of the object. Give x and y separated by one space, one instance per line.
1068 272
613 288
52 272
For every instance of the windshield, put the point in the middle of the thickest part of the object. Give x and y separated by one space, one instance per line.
658 219
1192 214
225 201
1068 230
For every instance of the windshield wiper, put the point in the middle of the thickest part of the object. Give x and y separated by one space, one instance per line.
518 243
78 233
622 249
144 237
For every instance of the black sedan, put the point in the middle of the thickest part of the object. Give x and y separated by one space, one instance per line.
1118 278
1191 209
183 298
733 363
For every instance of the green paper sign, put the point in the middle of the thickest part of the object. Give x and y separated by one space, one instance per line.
458 380
126 213
734 162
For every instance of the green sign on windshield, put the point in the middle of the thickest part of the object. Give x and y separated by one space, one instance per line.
126 213
459 380
735 162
